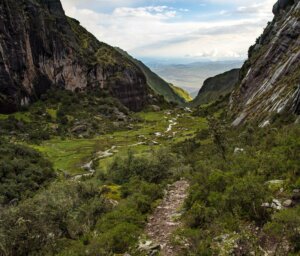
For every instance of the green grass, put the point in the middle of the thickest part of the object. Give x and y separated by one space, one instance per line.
21 116
71 154
182 93
68 155
114 192
52 113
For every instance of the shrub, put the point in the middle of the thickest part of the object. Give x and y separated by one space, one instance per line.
22 172
286 224
245 197
154 168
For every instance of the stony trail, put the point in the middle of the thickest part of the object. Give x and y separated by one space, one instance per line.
165 219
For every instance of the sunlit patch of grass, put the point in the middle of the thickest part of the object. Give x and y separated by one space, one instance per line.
3 117
68 155
113 192
52 113
21 116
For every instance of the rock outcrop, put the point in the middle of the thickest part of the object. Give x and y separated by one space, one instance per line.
270 78
40 48
282 5
217 86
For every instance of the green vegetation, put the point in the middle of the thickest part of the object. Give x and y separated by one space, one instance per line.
216 87
158 85
231 173
182 93
22 172
66 114
111 174
76 218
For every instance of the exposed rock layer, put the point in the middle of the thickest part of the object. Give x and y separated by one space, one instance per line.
270 78
40 48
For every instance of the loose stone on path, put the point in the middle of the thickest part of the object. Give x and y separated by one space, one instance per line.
164 220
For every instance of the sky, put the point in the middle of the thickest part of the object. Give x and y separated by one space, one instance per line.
175 29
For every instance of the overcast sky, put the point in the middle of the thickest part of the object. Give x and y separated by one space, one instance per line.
194 29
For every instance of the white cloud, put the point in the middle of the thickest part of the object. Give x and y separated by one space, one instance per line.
158 30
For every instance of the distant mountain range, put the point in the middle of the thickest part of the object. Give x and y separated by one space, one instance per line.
191 76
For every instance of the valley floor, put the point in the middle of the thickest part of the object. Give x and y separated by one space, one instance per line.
155 129
170 183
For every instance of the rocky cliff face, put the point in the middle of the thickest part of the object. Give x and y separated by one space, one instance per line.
217 86
270 78
40 47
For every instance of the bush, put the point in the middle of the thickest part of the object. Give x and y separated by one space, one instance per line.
286 224
22 172
245 197
154 168
43 224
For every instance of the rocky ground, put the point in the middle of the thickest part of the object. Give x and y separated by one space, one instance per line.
165 220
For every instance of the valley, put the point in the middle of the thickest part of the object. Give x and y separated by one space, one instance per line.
100 156
153 130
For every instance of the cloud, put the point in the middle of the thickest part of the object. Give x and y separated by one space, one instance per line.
172 30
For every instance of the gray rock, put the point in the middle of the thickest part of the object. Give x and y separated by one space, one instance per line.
281 5
296 195
238 150
288 203
155 108
79 129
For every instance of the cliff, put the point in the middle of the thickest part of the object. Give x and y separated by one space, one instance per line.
40 48
270 78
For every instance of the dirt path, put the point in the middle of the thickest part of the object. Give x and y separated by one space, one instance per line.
165 219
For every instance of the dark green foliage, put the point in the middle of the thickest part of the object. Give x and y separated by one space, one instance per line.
215 87
245 197
61 112
154 168
46 222
229 186
22 172
216 129
285 224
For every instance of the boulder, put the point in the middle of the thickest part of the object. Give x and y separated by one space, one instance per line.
79 129
276 205
296 195
238 150
120 116
288 203
155 108
149 247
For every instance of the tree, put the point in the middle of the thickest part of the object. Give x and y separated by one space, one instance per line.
217 131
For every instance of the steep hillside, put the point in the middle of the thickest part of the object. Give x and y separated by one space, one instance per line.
270 78
181 92
40 48
159 85
191 75
217 86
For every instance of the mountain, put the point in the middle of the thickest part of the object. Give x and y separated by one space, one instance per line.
192 75
181 92
157 84
41 48
217 86
270 78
